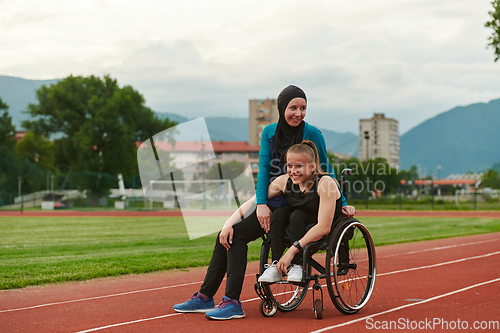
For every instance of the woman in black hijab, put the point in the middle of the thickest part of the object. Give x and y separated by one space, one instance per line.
276 139
287 135
230 252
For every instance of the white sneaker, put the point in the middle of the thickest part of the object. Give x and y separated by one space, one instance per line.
271 274
295 274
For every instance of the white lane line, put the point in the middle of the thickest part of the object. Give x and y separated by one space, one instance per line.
356 320
317 331
439 248
128 323
97 297
439 264
106 296
405 306
191 283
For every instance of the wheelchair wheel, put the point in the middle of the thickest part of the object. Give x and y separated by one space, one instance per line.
318 309
350 266
286 295
268 308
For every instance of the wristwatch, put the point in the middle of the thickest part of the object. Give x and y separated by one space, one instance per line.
297 245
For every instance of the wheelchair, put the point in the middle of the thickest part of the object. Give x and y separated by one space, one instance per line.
349 271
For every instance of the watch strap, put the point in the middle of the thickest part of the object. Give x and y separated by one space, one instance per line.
297 245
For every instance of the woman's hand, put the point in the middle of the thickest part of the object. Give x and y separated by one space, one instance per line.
349 211
226 237
286 259
264 217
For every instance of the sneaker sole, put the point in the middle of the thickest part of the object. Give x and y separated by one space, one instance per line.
236 316
296 281
270 281
195 311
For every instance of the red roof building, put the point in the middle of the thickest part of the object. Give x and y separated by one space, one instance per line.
192 152
19 135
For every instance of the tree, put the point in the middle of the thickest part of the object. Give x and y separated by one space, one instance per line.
410 174
7 130
37 149
494 24
491 179
373 175
230 170
496 167
100 124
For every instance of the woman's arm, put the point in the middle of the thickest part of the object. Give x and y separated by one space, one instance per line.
264 166
277 187
328 194
226 234
263 211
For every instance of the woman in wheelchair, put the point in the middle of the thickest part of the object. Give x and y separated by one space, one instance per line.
252 219
314 202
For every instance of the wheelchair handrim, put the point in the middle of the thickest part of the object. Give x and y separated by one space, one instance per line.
372 267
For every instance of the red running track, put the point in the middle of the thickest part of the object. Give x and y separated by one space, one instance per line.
417 283
178 213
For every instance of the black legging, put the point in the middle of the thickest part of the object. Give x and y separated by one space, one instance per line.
232 261
300 222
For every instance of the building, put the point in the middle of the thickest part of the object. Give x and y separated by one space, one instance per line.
262 112
19 135
186 153
379 137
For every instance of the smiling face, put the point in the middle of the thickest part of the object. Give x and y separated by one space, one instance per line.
299 168
295 111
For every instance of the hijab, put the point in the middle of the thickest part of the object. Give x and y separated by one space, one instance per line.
286 135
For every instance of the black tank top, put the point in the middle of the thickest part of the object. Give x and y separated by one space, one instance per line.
308 202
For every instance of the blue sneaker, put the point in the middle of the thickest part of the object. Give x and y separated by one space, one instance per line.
226 310
195 304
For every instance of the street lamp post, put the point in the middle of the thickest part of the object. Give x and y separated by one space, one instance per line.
400 195
367 138
432 192
52 186
19 192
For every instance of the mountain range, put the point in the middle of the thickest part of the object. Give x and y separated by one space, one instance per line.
17 93
236 129
459 140
465 138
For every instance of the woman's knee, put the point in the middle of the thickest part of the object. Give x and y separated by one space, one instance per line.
298 217
281 214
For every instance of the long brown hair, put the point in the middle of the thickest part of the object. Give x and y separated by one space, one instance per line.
308 149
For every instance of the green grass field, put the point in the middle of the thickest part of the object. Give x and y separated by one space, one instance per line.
42 250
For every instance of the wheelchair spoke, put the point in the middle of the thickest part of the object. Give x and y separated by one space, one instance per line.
351 289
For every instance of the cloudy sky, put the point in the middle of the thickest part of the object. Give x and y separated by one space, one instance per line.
410 59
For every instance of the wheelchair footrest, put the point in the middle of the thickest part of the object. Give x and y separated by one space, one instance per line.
260 291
